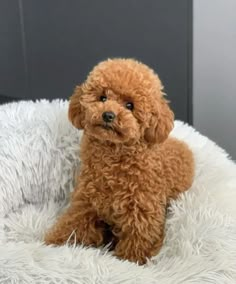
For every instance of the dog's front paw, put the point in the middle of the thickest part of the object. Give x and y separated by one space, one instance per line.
127 250
88 238
132 256
140 260
55 239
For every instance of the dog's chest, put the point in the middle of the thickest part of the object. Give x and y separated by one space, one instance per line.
112 176
114 185
117 180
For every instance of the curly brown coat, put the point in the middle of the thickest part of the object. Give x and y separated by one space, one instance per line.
130 168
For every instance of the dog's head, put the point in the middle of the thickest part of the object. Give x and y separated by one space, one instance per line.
122 101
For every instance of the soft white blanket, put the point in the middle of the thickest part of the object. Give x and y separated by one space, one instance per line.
38 160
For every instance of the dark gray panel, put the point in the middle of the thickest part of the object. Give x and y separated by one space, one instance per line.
7 99
64 39
12 68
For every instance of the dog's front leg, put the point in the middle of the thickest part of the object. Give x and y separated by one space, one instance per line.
140 234
79 223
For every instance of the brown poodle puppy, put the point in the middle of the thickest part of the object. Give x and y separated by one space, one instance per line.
130 168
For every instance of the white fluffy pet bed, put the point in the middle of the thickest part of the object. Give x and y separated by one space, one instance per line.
38 158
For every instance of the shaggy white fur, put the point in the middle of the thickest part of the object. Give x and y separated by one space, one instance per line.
38 159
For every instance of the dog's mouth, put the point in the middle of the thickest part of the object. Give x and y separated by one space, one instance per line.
109 128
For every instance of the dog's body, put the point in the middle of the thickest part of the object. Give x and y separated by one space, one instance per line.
130 169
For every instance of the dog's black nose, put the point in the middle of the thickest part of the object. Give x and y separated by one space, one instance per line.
108 116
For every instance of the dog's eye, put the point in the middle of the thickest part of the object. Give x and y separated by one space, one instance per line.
103 98
129 106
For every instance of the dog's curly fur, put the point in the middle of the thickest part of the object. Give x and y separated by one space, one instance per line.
130 168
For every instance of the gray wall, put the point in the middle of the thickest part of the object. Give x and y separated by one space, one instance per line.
47 47
214 71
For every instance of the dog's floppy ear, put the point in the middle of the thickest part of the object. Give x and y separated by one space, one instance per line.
161 122
76 110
